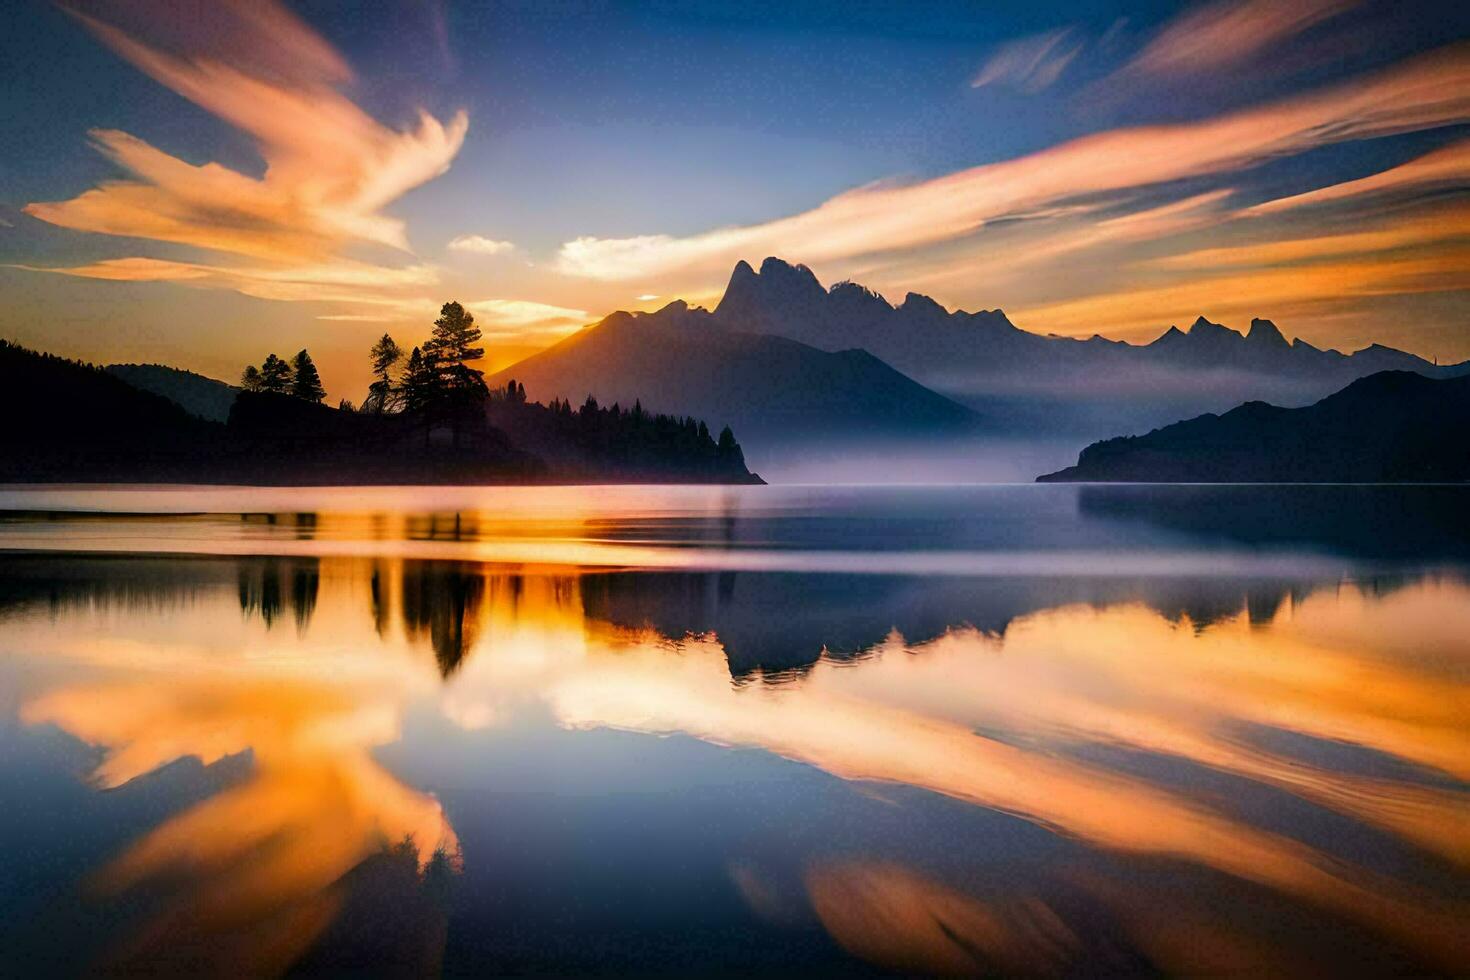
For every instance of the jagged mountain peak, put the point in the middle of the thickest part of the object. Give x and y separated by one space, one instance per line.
1207 328
1265 333
778 283
993 318
919 303
742 275
849 293
773 266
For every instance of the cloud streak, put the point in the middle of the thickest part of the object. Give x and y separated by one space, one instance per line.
519 318
329 167
1227 33
1448 165
1430 91
1031 63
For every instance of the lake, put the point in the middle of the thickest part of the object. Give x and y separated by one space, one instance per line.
1030 730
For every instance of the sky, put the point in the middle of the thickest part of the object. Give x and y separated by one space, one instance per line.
202 183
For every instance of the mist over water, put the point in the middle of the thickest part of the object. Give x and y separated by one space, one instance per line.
1038 729
979 459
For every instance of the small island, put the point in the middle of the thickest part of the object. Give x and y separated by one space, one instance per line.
428 418
1390 427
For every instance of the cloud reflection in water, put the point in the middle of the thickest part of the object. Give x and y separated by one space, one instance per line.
1068 717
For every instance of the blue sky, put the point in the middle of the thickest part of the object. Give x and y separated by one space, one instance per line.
668 140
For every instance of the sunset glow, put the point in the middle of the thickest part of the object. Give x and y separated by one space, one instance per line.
1110 220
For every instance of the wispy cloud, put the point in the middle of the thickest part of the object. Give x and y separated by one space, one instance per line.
1448 165
1030 63
330 168
1290 290
520 318
1400 231
1429 91
1218 35
333 281
479 244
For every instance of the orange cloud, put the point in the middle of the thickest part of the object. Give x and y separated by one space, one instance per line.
1403 232
1448 165
1228 32
329 166
1283 289
1429 91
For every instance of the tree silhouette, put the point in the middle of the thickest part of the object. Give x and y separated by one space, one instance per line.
450 348
418 382
458 390
275 375
306 383
250 378
727 443
385 355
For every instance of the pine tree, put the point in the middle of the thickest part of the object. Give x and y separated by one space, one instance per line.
306 384
250 378
418 383
382 396
275 375
450 347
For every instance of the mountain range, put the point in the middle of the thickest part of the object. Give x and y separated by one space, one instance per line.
1025 379
819 375
769 389
786 361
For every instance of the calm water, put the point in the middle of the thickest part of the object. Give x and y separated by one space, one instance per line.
1036 730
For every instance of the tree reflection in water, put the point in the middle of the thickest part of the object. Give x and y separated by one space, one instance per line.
1056 702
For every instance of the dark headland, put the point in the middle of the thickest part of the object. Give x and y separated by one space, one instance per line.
69 422
1390 427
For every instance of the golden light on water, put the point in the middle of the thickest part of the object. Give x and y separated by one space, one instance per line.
1012 722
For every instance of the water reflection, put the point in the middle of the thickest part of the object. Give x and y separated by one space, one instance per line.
1212 773
269 587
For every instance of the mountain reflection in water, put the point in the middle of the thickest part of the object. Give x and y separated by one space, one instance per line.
1022 773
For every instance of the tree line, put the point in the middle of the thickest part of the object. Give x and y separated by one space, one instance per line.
436 377
297 377
436 382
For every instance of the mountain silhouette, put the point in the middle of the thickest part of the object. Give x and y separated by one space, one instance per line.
201 397
769 389
1037 382
66 420
1391 427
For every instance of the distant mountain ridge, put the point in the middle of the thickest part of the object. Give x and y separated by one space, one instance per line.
1390 427
768 388
789 301
984 360
196 394
791 364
